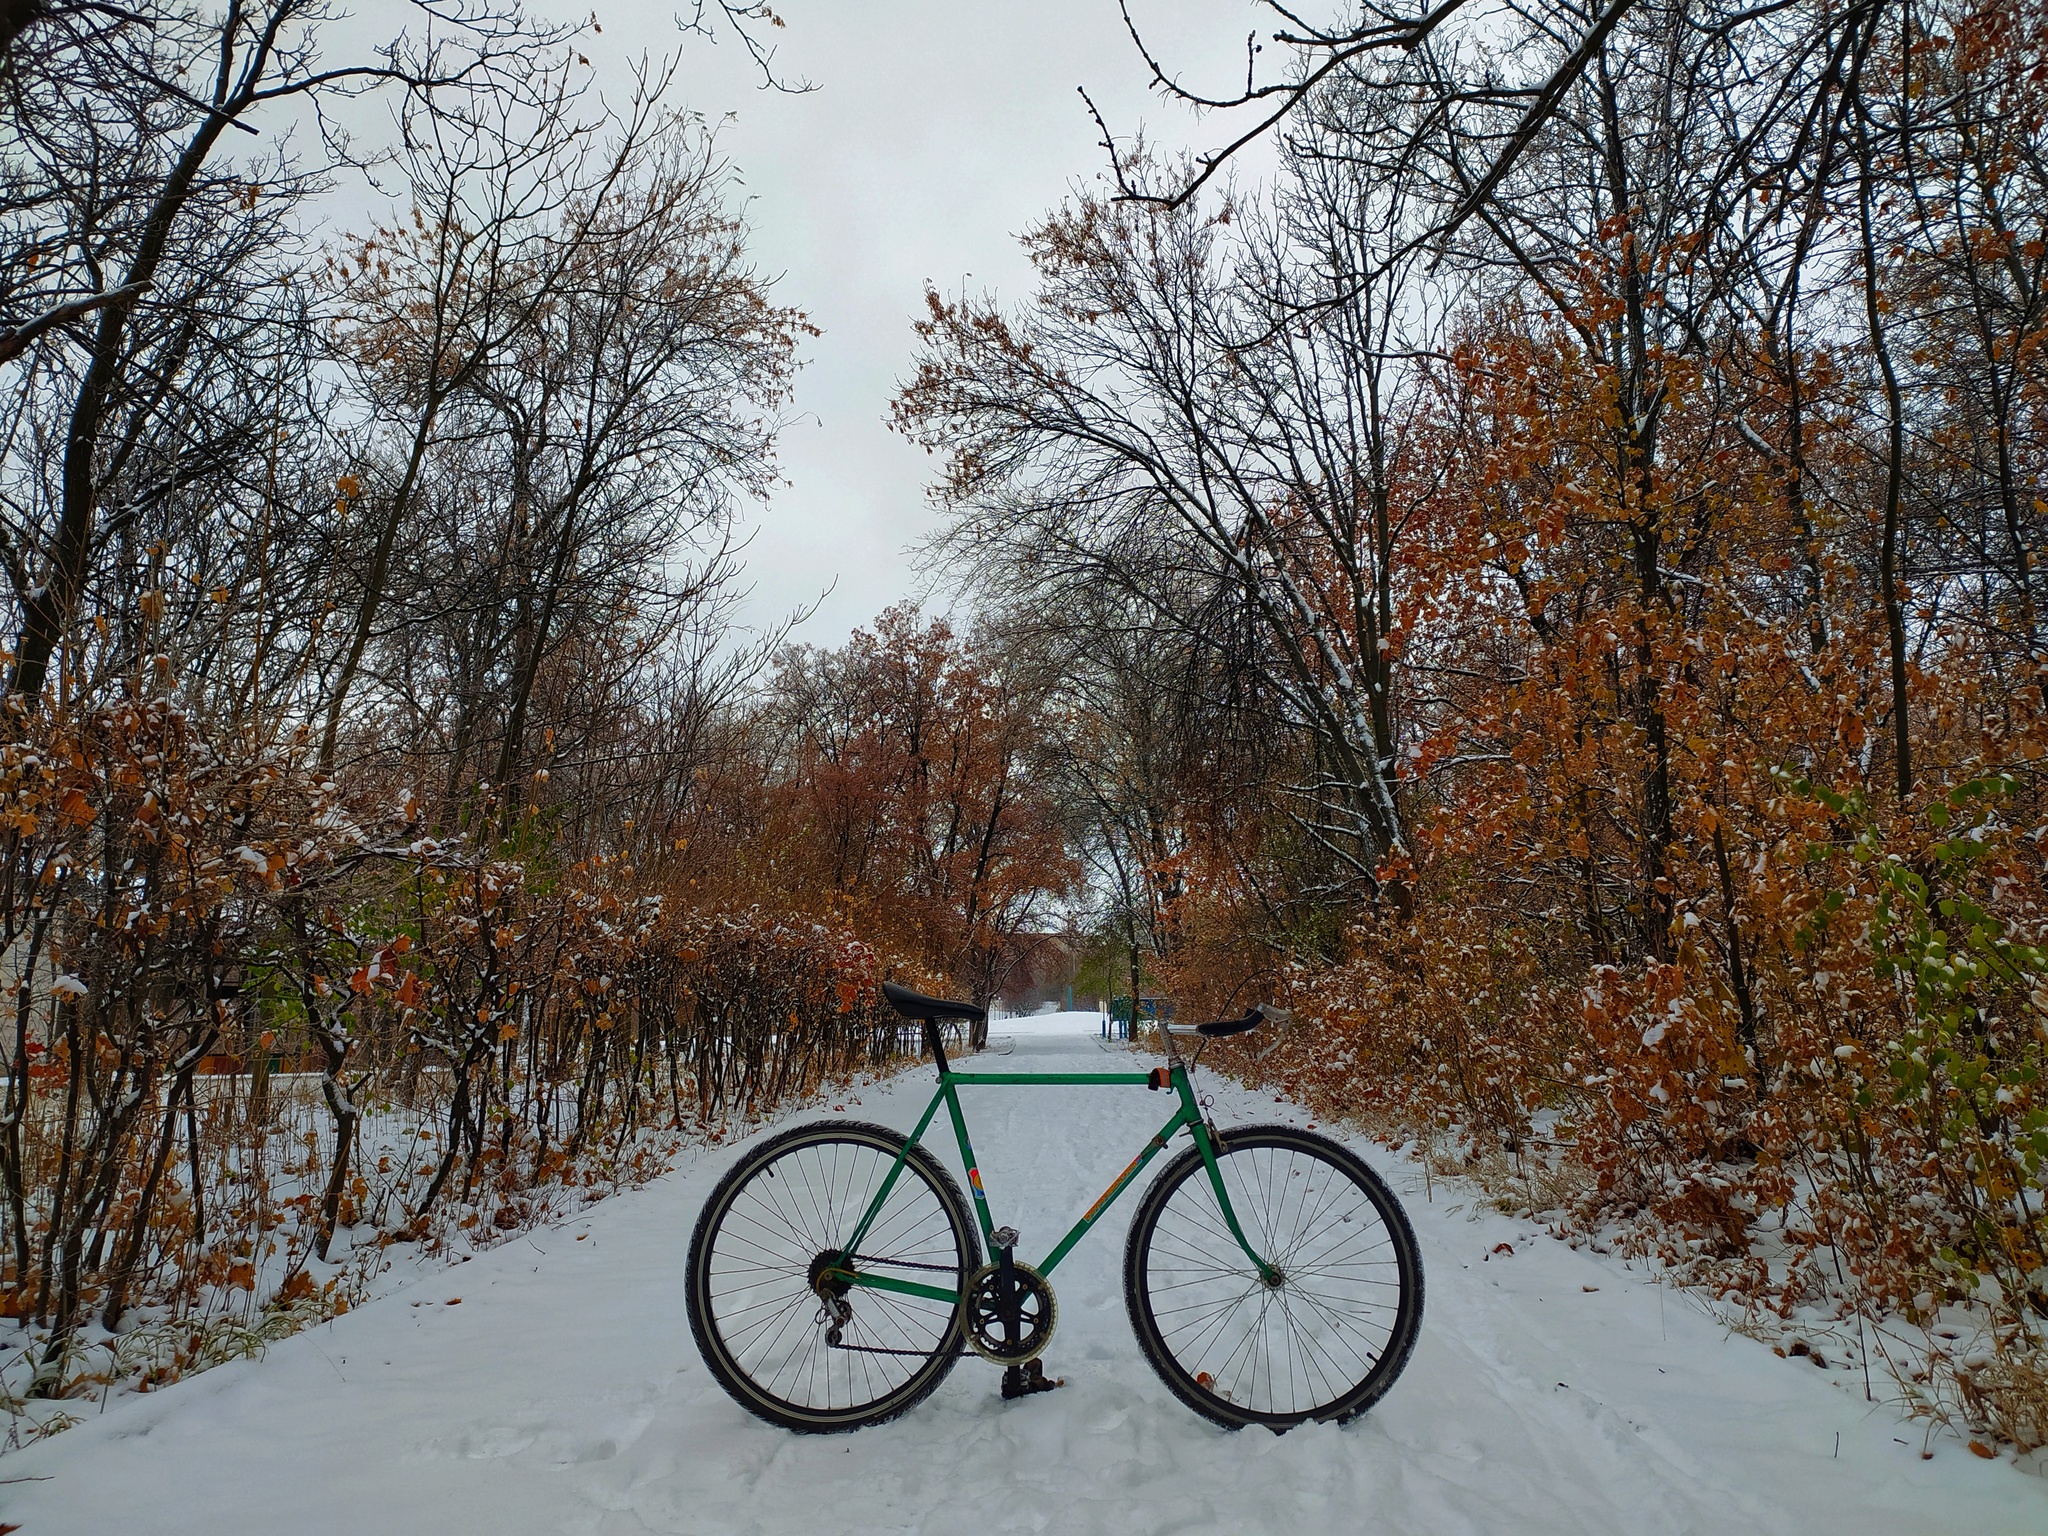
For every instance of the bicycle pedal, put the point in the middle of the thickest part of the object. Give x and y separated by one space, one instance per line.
1023 1380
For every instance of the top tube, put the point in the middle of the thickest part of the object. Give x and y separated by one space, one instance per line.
1127 1079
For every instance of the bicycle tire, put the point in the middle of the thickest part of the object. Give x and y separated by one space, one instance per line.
759 1324
1331 1338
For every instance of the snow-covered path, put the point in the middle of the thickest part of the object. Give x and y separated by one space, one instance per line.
564 1394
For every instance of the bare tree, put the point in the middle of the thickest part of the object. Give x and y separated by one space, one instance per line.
117 173
1184 408
579 382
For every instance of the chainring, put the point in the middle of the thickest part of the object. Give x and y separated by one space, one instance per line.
1038 1313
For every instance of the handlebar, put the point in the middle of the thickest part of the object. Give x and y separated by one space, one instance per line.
1251 1020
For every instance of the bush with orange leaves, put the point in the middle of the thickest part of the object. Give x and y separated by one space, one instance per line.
258 1030
1721 932
1867 1137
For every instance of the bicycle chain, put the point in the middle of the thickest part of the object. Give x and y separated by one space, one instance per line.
876 1349
864 1258
841 1314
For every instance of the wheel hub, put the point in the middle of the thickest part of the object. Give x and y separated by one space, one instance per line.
828 1276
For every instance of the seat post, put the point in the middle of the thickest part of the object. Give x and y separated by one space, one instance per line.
931 1036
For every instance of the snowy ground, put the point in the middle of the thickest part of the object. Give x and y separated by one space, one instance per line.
550 1385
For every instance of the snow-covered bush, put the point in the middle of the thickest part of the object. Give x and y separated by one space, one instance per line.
256 1034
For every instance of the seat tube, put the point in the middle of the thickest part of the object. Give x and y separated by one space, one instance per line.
952 1097
895 1171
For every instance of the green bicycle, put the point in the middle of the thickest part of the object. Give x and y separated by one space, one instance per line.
835 1275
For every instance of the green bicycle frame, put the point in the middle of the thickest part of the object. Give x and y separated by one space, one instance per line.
1188 1116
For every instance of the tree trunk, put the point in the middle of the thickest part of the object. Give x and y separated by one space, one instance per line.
47 608
130 1253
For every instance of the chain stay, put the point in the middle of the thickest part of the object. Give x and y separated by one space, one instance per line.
839 1312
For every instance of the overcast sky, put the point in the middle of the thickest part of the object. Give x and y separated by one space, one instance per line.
938 130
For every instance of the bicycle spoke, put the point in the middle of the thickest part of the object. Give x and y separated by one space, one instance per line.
810 1353
1306 1337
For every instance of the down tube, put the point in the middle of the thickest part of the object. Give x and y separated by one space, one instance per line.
1151 1150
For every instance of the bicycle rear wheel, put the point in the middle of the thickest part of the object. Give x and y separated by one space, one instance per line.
1323 1342
829 1359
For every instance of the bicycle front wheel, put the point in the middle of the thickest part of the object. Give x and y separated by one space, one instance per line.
1325 1336
809 1355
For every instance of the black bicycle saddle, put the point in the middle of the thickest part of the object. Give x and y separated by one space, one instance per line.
915 1005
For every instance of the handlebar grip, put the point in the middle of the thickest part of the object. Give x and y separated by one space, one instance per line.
1251 1020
